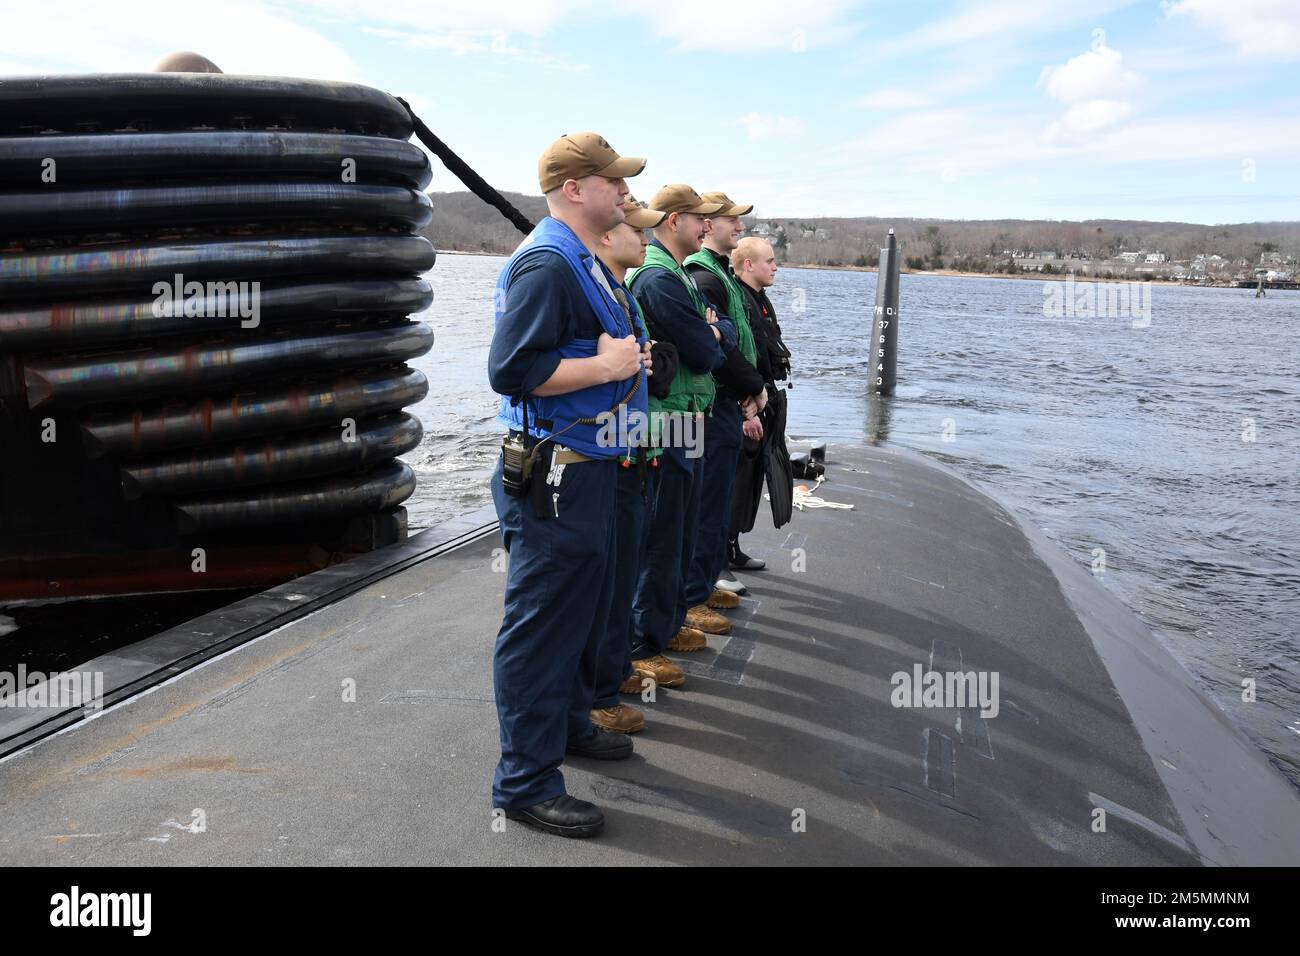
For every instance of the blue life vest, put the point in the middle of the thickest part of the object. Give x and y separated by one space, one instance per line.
558 412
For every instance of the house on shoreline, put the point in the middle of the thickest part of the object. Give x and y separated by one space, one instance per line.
1143 264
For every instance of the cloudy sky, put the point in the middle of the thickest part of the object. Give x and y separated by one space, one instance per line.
1042 109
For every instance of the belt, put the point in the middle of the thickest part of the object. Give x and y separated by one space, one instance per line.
567 456
562 456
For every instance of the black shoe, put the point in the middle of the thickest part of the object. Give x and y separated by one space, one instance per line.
602 745
740 561
564 815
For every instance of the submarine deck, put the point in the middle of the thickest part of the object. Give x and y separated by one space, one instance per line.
789 713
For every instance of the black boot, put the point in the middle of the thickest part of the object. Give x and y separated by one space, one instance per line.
739 560
602 745
565 815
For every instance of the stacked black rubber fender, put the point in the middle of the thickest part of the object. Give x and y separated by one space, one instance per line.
205 291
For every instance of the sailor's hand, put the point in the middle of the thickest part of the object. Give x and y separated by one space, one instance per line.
753 429
647 360
621 357
711 317
761 399
749 408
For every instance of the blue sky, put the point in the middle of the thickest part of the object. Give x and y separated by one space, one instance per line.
1182 110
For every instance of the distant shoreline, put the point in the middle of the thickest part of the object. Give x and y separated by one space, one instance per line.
1050 276
1058 277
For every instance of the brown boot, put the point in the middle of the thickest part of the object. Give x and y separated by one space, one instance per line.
710 622
621 718
723 599
688 639
664 672
633 685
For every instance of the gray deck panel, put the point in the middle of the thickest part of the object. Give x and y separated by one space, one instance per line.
792 714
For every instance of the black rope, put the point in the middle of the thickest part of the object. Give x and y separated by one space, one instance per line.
476 184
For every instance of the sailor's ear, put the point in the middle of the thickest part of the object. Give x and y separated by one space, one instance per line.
607 239
571 189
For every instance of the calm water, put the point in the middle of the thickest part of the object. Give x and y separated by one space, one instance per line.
1131 440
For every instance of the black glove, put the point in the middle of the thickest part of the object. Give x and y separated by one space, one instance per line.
664 363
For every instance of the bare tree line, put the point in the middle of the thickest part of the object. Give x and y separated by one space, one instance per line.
462 223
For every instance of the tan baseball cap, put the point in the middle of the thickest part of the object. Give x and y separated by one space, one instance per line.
638 215
682 198
583 154
729 208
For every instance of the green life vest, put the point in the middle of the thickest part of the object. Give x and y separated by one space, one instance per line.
690 391
735 303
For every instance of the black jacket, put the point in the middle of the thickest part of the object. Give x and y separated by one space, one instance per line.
736 377
773 356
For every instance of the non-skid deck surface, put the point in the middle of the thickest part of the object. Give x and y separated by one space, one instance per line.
783 747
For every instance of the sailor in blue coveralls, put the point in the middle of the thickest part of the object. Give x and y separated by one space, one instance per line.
623 248
741 396
562 353
675 312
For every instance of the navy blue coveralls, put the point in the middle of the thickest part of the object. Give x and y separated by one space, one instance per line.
659 609
560 580
631 534
634 507
736 378
722 442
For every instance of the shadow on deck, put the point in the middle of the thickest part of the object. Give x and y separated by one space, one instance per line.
787 719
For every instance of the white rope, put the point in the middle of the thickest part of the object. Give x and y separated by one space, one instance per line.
805 499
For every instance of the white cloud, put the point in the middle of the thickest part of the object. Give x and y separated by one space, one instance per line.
240 36
769 127
724 26
558 61
457 44
1269 29
1088 117
937 88
1001 142
529 17
1089 76
921 142
1096 114
745 26
466 42
992 20
264 37
1091 83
